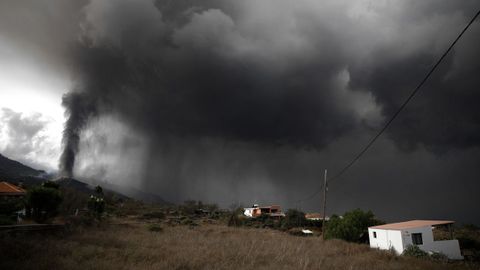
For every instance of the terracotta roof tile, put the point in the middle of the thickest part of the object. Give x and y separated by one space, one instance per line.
411 224
10 189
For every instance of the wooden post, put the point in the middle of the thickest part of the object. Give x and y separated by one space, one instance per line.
324 203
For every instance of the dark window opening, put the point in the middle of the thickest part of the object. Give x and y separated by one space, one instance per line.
374 234
417 239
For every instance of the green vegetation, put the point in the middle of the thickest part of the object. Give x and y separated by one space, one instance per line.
414 251
96 203
129 234
155 227
352 227
294 218
469 238
43 201
8 209
96 206
208 246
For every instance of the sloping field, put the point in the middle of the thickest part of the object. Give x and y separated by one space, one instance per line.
208 246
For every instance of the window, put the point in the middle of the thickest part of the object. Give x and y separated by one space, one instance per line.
374 234
417 239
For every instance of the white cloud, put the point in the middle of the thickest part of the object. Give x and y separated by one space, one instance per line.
30 138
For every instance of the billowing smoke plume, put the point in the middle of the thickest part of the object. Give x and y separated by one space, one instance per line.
79 108
224 100
264 72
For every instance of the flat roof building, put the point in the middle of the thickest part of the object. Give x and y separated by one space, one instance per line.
398 236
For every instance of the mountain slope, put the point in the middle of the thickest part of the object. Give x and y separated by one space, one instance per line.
14 171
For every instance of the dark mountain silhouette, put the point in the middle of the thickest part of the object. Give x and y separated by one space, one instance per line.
128 191
16 172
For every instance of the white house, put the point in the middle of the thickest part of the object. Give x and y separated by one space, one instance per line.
256 211
398 236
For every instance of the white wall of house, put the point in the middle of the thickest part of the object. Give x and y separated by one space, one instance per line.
248 212
451 248
398 240
386 239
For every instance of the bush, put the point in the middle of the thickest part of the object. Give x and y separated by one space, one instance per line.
189 222
352 227
152 215
294 218
73 200
96 205
43 201
235 220
8 206
99 190
50 184
7 220
155 228
438 256
414 251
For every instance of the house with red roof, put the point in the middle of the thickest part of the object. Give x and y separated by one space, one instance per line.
11 190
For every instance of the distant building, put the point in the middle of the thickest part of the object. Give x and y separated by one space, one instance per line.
256 211
398 236
10 190
315 216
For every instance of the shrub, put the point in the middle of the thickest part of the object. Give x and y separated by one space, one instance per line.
96 205
294 218
438 256
189 222
414 251
50 184
352 227
235 220
155 228
44 201
8 206
99 190
72 201
152 215
7 220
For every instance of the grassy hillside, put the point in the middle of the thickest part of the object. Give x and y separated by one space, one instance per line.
132 243
203 247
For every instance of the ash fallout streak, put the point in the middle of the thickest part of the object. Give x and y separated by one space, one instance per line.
272 92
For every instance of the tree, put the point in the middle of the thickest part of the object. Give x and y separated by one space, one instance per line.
294 218
43 201
99 190
352 227
96 205
50 184
8 207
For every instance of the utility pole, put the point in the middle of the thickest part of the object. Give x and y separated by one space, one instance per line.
324 203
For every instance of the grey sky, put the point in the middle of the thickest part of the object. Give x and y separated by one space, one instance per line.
250 100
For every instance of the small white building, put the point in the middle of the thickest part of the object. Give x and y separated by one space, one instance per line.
256 211
398 236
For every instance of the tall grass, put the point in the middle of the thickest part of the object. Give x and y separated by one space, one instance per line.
203 247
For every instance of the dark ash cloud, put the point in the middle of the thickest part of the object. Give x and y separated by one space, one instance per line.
253 99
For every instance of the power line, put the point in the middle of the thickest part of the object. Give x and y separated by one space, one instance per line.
404 104
410 97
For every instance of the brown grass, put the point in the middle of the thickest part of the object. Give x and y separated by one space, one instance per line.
207 246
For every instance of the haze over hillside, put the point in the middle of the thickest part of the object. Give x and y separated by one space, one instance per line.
249 101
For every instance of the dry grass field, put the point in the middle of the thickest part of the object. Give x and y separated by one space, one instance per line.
208 246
